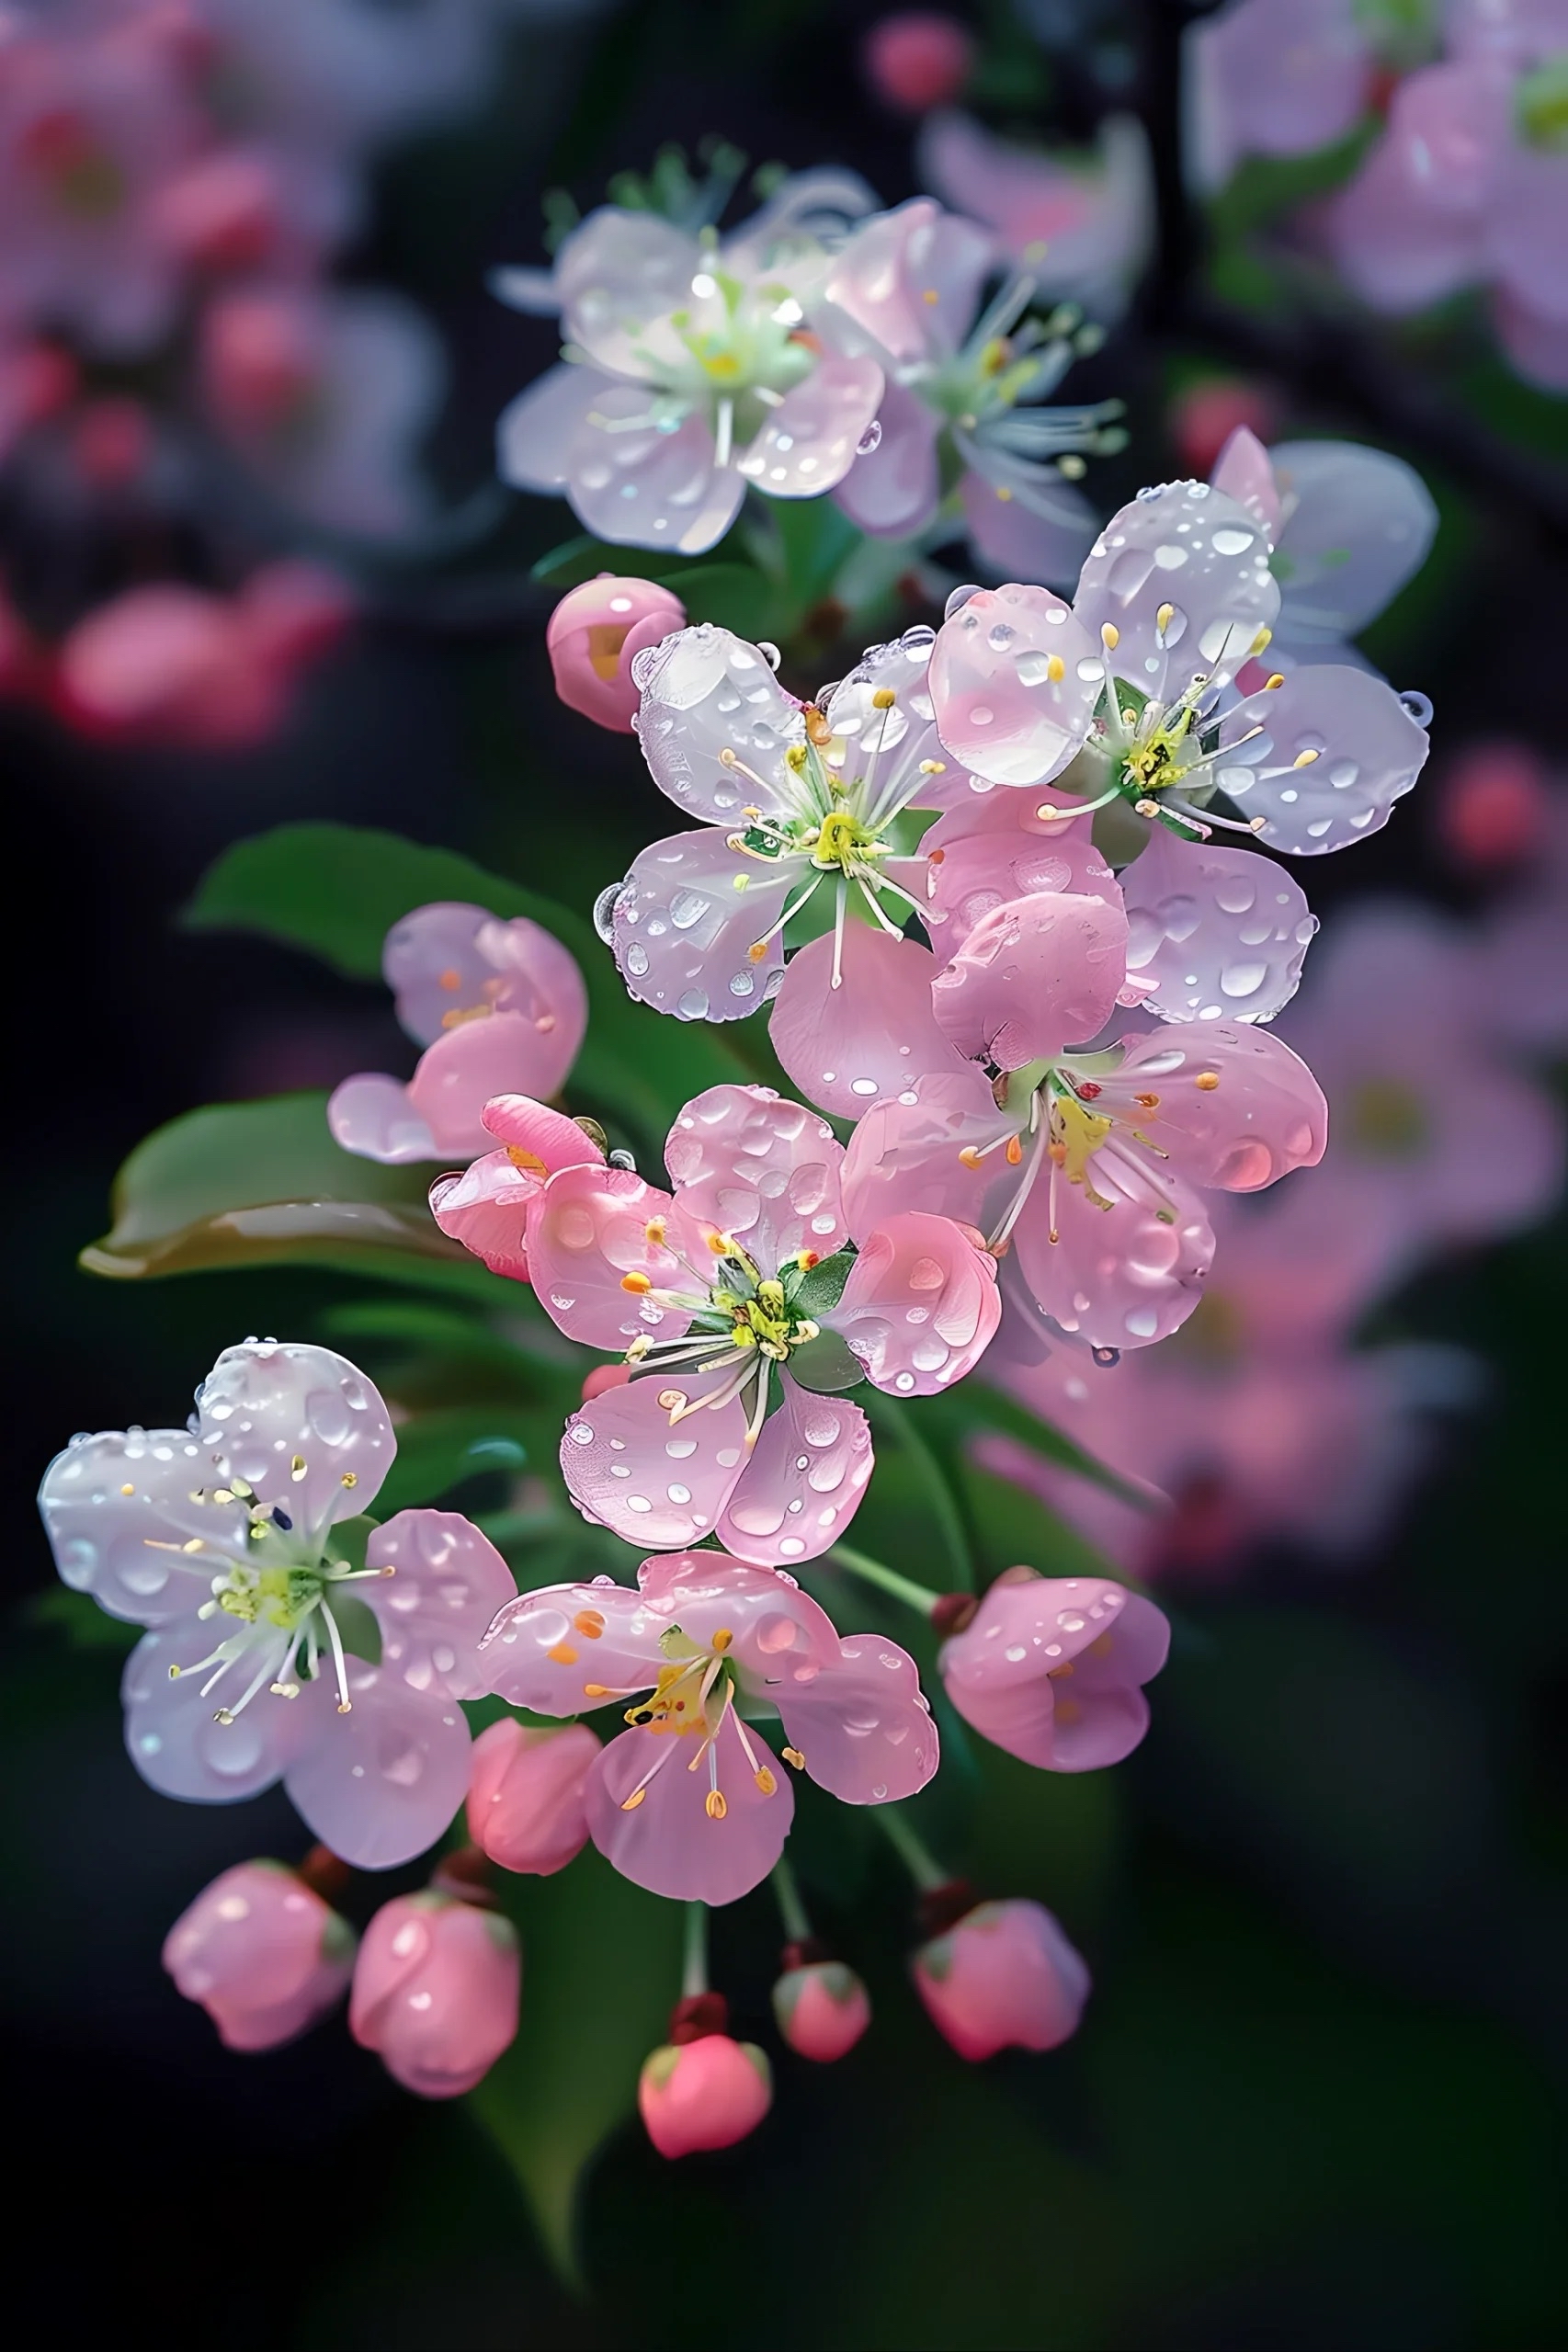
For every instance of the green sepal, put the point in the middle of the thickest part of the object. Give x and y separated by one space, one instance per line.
826 1365
816 1290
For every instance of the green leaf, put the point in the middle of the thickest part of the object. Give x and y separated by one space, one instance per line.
335 891
259 1183
435 1451
78 1618
601 1966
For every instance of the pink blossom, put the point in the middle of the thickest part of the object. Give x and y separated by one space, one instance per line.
703 2094
436 1994
486 1207
715 1644
225 1539
1003 1977
595 634
822 2009
264 1955
1495 806
500 1008
695 372
325 398
919 58
1278 77
525 1796
1051 1668
170 665
708 1291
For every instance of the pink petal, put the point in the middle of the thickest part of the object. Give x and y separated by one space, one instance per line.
808 442
1266 1116
372 1116
495 1053
302 1425
546 1646
1191 548
1015 678
779 1633
1393 246
538 432
596 633
451 1581
170 1733
846 1048
904 1154
542 981
638 486
1035 974
803 1484
990 850
626 1468
546 1138
1358 524
587 1232
863 1725
912 278
486 1209
1213 932
1118 1277
435 1991
526 1805
706 691
1018 526
432 962
117 1510
382 1783
262 1953
668 1843
761 1169
921 1305
1243 471
1537 346
1005 1977
1051 1669
688 917
1365 748
894 490
1290 75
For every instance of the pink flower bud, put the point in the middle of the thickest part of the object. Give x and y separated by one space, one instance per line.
435 1991
1003 1975
706 2094
918 59
525 1794
594 633
823 2009
1495 806
264 1955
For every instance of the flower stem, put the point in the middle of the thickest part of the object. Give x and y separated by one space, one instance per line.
929 1469
694 1975
910 1848
915 1597
791 1910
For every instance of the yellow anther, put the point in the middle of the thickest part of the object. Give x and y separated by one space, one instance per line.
175 1673
1110 636
529 1161
806 1258
718 1245
757 951
630 1804
766 1781
344 1706
589 1624
1149 1102
1003 493
1303 760
793 1756
1269 684
742 881
970 1156
1264 638
723 1639
653 1230
713 1805
1056 669
596 1690
128 1489
884 699
727 758
1147 808
1015 1152
638 1284
350 1478
1206 1080
939 767
1164 618
297 1468
195 1544
818 731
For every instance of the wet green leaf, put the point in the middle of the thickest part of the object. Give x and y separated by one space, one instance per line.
435 1451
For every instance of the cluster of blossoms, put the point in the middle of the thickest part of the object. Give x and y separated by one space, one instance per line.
177 176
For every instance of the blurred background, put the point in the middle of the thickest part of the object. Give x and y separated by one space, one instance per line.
255 565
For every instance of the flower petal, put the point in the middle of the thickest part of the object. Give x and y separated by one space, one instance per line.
1191 549
1359 525
302 1425
495 1053
1023 524
1336 750
545 1647
1015 678
849 1046
688 918
1051 1668
1118 1277
706 692
921 1305
171 1734
586 1235
863 1726
905 1154
636 486
372 1116
432 963
999 846
626 1468
1035 975
808 442
1212 932
120 1509
1243 470
451 1581
668 1841
892 491
759 1168
540 431
779 1633
912 278
486 1209
1232 1107
802 1482
382 1783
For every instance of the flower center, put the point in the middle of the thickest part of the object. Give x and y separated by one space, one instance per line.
696 1692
